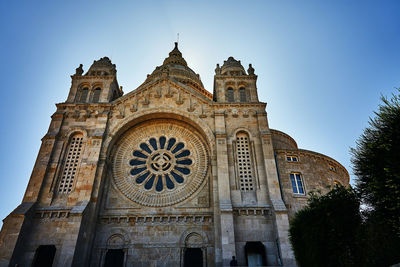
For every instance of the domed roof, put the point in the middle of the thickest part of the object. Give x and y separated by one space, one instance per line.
175 66
232 67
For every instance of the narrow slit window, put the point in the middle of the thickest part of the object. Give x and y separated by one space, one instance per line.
230 95
242 92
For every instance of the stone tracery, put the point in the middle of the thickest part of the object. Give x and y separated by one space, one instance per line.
160 164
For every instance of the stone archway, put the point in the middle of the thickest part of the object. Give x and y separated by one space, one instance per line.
193 250
115 252
255 254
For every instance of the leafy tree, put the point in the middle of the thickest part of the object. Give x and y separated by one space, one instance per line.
325 232
376 161
331 230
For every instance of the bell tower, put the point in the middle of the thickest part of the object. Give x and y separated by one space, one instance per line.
233 84
98 85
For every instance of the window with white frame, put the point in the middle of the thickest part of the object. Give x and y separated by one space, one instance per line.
297 183
72 161
243 156
292 158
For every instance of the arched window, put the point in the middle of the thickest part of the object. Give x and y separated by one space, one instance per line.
72 162
243 157
96 95
84 95
297 183
230 95
242 92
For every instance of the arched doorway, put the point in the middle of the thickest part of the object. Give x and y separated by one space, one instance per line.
114 258
194 253
193 257
44 256
255 254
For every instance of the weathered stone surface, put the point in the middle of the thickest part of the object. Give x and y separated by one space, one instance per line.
163 171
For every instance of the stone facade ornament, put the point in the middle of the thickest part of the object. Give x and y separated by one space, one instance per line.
250 70
79 70
159 164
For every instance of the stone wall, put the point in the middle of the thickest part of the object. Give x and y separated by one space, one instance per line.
255 225
154 241
319 173
280 140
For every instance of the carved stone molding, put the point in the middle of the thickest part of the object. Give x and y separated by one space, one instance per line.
252 211
158 219
159 164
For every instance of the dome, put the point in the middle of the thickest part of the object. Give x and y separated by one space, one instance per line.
175 66
232 67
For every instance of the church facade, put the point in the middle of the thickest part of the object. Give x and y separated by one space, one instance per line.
165 175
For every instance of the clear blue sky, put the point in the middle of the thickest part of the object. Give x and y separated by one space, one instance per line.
322 65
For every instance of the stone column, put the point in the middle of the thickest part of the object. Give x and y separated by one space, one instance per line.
224 194
279 208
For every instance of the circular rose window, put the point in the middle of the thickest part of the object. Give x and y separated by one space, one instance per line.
159 164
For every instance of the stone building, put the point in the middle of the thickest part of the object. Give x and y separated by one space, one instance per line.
165 175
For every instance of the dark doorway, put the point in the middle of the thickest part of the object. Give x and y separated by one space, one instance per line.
44 256
193 257
255 254
114 258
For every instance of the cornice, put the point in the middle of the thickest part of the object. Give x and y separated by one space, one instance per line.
314 154
244 77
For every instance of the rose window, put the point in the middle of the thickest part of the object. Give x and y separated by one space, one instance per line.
160 163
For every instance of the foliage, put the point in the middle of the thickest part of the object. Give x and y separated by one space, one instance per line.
380 246
322 234
331 230
376 161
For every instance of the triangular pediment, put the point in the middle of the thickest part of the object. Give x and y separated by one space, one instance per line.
166 93
167 85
